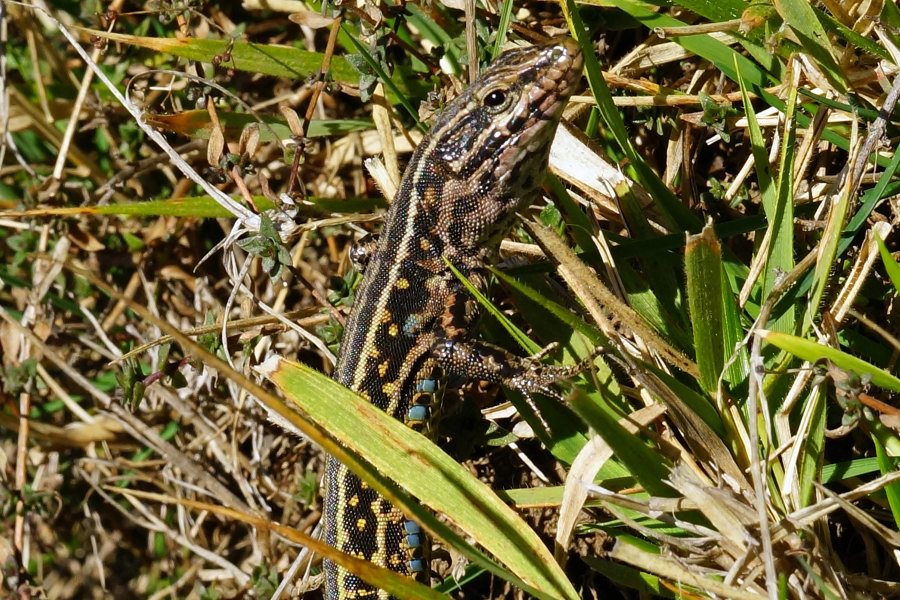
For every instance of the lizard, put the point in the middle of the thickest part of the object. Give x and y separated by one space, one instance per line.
481 163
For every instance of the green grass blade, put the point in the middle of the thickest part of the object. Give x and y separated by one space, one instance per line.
198 125
777 203
520 336
715 10
502 29
813 446
890 265
703 267
646 464
386 80
780 258
265 59
555 312
200 207
679 217
579 225
813 352
828 250
801 17
850 469
738 368
427 473
852 38
647 585
888 464
655 285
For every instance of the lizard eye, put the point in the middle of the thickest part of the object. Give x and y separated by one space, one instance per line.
497 99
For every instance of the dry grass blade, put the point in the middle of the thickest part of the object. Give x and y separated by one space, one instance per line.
584 468
398 585
676 573
609 312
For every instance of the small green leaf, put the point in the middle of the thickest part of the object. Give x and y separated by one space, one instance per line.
268 247
714 115
134 243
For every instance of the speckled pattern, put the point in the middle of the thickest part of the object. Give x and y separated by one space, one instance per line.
482 162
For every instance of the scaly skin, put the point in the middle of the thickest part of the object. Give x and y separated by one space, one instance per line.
482 162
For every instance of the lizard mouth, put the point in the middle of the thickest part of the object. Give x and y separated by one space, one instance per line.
559 64
562 62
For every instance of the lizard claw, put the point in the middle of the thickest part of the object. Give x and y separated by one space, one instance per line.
536 377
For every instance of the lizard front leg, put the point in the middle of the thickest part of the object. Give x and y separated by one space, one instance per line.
475 360
486 362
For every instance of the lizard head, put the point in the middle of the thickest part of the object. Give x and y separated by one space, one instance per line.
489 146
511 109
